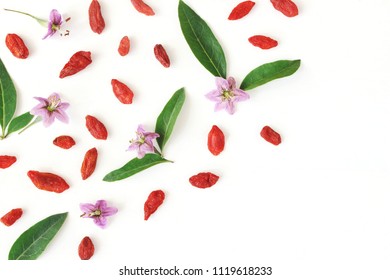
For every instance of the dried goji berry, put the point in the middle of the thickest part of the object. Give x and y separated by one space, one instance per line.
7 161
270 135
162 55
155 199
124 46
122 92
86 248
216 140
48 181
16 46
204 180
142 7
64 142
287 7
96 127
96 20
78 61
89 163
12 216
263 42
241 10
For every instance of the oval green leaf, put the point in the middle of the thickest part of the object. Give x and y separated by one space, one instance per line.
134 166
31 243
168 116
269 72
202 41
19 122
7 98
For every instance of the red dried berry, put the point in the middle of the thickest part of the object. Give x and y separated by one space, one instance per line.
161 55
48 181
142 7
122 92
7 161
263 42
77 62
96 20
287 7
64 142
216 140
124 46
16 46
11 217
241 10
204 180
155 199
270 135
86 248
96 127
89 163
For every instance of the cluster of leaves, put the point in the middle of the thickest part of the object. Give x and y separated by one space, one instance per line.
8 99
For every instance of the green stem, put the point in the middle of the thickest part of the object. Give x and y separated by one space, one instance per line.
40 21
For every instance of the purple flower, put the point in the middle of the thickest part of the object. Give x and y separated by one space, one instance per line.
226 94
54 24
143 143
51 108
98 212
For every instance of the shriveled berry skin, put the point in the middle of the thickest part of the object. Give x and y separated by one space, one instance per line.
64 141
89 163
270 135
263 42
77 62
142 7
204 180
124 46
48 181
122 92
16 46
12 216
241 10
6 161
216 140
96 20
161 55
86 248
155 199
286 7
96 127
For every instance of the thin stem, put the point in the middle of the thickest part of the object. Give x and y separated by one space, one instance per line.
40 21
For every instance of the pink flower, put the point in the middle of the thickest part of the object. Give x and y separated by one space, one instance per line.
143 143
51 108
226 95
98 212
54 23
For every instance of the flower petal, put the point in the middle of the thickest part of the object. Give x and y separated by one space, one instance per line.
100 221
219 106
55 17
222 84
48 119
240 95
61 115
87 208
101 205
232 83
214 95
109 211
230 107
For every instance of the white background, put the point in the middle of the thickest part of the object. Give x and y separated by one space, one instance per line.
315 207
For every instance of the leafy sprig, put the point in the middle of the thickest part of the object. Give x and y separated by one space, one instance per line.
164 127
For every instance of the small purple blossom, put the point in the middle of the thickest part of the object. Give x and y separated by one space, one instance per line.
143 143
54 23
226 94
98 212
51 108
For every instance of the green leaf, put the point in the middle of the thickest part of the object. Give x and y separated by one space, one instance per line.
268 72
202 41
31 243
19 122
134 166
7 98
167 118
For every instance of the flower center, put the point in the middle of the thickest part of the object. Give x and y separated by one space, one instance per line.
227 94
97 212
53 103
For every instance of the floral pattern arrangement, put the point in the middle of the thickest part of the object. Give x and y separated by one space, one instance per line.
149 144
